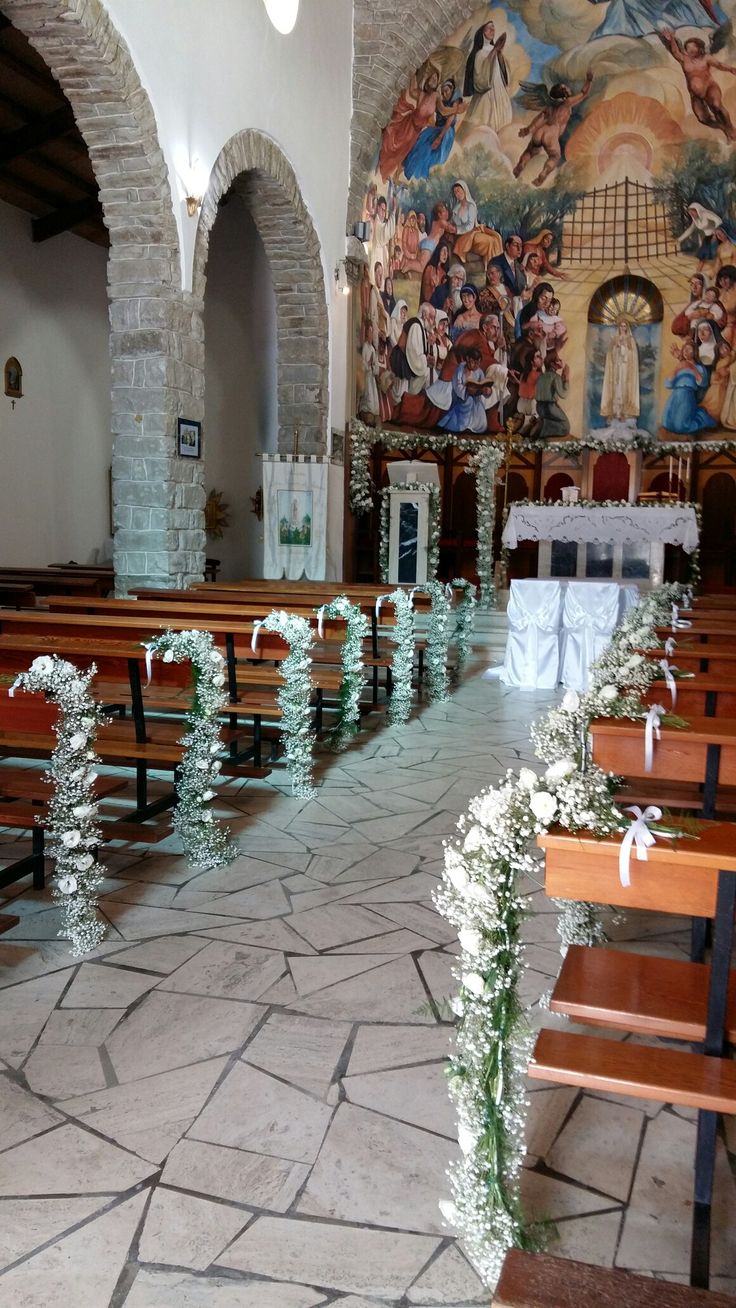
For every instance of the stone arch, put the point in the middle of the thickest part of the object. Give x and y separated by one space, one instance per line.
391 39
156 366
255 166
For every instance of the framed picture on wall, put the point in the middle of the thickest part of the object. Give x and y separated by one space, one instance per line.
188 438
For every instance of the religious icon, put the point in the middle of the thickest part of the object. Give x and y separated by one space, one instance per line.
620 397
13 380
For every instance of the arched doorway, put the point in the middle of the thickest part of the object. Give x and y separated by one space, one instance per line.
158 507
255 167
718 540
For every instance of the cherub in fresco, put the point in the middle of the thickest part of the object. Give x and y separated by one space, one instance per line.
555 105
705 94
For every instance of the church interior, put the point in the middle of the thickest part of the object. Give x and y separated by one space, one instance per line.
367 694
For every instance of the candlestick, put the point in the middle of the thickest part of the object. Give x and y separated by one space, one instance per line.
669 477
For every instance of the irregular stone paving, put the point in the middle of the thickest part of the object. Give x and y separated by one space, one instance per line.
239 1101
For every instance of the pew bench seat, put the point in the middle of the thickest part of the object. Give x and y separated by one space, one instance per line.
540 1281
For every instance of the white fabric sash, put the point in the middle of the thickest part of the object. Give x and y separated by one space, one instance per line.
678 623
256 632
669 646
670 682
638 835
652 731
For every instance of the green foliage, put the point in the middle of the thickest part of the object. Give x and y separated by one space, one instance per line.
503 202
698 173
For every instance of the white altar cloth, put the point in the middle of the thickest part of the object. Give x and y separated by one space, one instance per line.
626 524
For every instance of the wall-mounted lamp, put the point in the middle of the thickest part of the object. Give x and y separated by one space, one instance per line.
194 204
341 278
362 231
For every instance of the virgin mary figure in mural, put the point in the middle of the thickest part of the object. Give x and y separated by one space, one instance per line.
487 80
644 17
620 396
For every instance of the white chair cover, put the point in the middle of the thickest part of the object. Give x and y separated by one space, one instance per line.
589 618
629 599
533 644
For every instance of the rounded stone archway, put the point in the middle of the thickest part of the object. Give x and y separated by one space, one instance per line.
156 363
254 166
391 39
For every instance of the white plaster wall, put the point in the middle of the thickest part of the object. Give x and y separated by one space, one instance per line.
240 383
55 445
215 67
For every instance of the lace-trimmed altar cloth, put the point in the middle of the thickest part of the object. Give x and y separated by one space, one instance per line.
626 524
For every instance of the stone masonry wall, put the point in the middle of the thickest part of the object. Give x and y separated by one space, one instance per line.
391 39
157 352
253 165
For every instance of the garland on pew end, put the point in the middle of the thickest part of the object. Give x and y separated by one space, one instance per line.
464 623
207 843
295 696
436 677
72 823
402 636
354 675
483 896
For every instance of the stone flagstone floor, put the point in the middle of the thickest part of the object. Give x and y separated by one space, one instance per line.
238 1101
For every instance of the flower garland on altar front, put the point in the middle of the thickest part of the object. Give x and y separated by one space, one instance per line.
402 635
295 696
482 896
354 674
207 843
72 823
464 623
433 524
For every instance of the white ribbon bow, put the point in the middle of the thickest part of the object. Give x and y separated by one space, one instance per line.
678 623
379 602
652 730
12 689
670 682
448 590
321 622
254 638
669 646
149 662
638 835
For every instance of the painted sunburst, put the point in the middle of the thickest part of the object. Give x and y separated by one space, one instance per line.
216 515
627 136
627 296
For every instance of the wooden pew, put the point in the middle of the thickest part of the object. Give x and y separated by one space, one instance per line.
703 752
46 582
17 594
24 795
540 1281
717 660
692 876
699 696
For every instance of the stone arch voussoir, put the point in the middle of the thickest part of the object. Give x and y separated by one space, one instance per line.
157 360
253 165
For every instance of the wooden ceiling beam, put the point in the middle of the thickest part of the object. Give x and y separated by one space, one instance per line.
21 140
62 220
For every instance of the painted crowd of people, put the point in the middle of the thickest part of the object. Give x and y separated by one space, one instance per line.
703 383
472 355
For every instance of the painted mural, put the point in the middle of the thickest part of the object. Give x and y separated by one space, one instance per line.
552 226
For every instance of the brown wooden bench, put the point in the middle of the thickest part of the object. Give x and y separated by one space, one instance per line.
540 1281
701 695
17 594
703 752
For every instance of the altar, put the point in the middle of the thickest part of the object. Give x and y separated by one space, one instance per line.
619 541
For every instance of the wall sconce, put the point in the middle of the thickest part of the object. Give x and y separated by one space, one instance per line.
194 204
341 278
193 178
362 231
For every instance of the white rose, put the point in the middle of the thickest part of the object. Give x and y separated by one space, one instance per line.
67 885
88 723
449 1212
84 810
609 693
473 981
474 840
42 666
456 1004
457 876
466 1140
558 771
528 778
207 816
215 747
90 778
543 805
570 701
634 661
70 839
77 741
168 656
216 766
202 764
84 862
216 656
470 940
208 794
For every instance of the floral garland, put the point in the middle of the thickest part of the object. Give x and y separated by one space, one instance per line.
486 463
464 623
613 445
433 533
207 843
480 895
438 639
72 823
402 635
354 675
295 696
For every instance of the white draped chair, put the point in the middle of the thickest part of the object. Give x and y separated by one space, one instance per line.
533 644
590 615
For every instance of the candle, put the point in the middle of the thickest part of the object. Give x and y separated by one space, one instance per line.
679 471
669 479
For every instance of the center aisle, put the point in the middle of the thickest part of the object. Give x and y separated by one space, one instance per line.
246 1081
